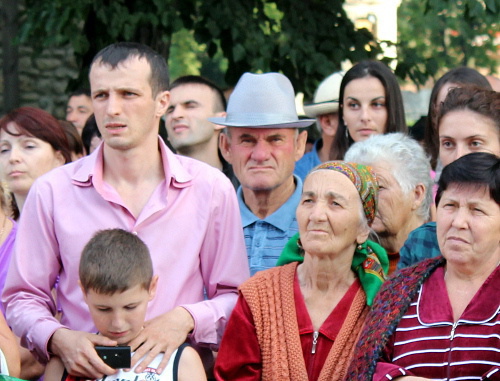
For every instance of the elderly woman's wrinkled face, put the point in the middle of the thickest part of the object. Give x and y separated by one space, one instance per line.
468 225
329 215
395 208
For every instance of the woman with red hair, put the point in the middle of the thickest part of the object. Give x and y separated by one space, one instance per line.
32 142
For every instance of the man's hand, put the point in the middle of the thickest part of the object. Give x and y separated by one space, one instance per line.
76 350
164 333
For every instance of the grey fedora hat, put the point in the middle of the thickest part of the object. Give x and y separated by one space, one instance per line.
262 101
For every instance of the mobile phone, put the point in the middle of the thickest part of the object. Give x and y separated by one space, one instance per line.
115 357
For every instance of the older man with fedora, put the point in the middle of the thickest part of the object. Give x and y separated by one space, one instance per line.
326 111
262 142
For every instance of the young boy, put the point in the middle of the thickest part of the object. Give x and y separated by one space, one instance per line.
116 277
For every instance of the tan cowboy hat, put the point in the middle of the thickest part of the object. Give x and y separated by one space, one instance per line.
262 101
326 98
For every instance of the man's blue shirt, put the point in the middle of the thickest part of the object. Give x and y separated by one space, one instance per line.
265 239
308 161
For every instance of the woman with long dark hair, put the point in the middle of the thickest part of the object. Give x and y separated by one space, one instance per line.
370 103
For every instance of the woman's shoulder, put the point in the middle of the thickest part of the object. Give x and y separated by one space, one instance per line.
405 282
421 269
268 275
190 365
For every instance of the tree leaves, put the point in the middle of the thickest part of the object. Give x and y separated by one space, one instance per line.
306 40
437 35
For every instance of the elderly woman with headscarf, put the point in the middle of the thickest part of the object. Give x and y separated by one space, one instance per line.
405 187
440 319
300 321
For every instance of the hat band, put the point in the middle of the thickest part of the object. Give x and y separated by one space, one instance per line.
323 102
259 119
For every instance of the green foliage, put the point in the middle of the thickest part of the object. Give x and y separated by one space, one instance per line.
184 53
437 35
187 57
306 40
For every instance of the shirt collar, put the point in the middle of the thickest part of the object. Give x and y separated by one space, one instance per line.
175 173
92 165
281 218
88 166
434 305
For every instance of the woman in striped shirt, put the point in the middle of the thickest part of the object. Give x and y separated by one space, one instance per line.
440 319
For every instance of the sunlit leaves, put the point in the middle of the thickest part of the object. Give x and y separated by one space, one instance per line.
437 35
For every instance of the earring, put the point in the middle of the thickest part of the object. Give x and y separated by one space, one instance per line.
299 244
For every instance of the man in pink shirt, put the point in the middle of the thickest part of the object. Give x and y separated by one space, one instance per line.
184 210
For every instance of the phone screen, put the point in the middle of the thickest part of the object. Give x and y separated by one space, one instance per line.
115 357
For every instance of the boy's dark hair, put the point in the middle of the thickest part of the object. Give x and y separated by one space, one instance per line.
220 103
115 260
119 52
479 169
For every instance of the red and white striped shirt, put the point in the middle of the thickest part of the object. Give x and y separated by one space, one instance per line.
428 343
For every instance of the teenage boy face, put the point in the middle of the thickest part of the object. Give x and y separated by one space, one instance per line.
120 316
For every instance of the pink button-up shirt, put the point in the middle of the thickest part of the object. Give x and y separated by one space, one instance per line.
191 225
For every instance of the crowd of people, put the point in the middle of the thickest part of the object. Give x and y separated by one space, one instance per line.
195 234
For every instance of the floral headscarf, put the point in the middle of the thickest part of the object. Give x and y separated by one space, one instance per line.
363 178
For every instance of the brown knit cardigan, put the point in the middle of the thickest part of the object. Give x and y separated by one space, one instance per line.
269 295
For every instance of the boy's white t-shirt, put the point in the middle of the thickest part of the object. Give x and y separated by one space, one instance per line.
4 369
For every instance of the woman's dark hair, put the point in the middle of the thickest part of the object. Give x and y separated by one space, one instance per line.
459 76
74 138
479 169
89 131
477 99
393 100
40 124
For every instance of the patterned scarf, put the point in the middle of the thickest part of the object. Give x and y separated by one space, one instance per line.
363 179
390 306
370 263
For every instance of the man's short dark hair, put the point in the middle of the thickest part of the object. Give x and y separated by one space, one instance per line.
119 52
115 260
479 169
79 92
220 103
